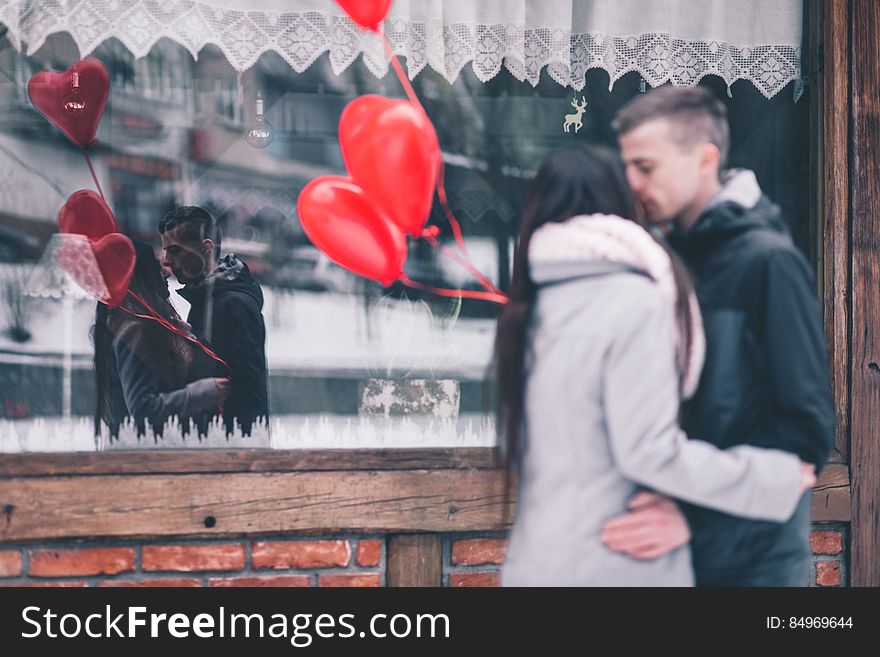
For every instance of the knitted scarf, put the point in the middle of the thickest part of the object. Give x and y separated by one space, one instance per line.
611 238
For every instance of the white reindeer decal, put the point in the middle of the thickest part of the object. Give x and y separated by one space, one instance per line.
575 119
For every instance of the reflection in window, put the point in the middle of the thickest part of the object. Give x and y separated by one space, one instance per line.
350 363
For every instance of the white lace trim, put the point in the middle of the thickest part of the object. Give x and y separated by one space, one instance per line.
301 37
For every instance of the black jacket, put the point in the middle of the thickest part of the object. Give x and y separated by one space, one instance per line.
226 314
765 381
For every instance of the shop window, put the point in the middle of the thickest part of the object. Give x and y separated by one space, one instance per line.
351 363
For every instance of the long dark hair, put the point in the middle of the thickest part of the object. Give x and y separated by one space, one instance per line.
568 184
150 285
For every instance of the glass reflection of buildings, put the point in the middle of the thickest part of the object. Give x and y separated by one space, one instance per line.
173 133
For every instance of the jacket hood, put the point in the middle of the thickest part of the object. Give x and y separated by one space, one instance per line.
739 206
739 186
231 274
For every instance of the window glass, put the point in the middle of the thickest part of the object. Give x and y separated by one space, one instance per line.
351 363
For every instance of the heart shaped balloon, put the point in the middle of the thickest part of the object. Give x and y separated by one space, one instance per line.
391 150
341 221
103 268
86 213
116 259
366 13
73 101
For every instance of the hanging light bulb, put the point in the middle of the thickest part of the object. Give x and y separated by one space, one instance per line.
73 103
261 132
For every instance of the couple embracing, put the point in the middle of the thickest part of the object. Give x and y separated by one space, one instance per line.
665 401
151 366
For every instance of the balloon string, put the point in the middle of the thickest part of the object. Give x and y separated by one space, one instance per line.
398 69
441 189
464 262
455 294
156 317
92 171
450 217
441 193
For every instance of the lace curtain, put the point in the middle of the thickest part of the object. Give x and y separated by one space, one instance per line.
678 41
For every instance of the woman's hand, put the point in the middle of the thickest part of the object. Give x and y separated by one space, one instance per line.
224 385
808 476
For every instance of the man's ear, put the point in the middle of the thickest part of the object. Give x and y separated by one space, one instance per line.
710 157
208 248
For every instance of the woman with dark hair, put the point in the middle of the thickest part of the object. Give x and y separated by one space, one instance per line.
143 368
599 343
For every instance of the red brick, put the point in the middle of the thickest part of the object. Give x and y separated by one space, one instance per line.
300 554
369 553
189 558
281 581
474 579
478 551
151 583
351 579
44 585
828 573
10 563
826 542
86 561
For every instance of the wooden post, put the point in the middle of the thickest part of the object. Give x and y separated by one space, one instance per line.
865 199
414 560
829 97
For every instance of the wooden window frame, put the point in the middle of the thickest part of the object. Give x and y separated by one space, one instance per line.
400 492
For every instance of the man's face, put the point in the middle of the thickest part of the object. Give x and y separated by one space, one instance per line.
189 260
665 176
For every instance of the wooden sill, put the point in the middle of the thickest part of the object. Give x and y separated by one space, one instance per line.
183 461
260 492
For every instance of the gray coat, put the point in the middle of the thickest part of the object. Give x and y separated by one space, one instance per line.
601 422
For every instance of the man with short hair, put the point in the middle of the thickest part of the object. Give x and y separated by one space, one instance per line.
225 309
765 381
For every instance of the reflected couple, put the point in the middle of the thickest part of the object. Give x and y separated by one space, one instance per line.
151 365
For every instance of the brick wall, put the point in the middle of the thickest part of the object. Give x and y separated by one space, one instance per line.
829 542
334 561
468 560
476 560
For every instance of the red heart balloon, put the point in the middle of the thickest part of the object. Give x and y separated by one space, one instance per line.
391 150
103 268
116 258
73 101
366 13
86 213
341 221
